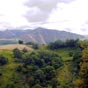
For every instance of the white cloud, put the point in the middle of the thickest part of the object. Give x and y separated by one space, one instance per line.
69 15
73 16
11 13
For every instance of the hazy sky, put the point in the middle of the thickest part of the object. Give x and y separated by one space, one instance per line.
69 15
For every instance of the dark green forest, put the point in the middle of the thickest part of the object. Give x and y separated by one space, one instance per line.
60 64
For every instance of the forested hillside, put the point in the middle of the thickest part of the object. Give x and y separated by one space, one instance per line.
60 64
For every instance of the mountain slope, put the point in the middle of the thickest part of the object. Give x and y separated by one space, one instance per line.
39 35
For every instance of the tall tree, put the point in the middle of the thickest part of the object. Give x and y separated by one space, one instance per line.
84 64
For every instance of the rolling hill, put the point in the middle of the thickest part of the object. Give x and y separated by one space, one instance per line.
39 35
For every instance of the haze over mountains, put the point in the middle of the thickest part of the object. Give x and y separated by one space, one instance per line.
38 35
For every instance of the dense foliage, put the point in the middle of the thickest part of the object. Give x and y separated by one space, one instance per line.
84 64
57 65
40 68
63 44
17 53
3 60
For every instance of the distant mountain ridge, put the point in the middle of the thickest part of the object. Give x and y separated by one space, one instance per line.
39 35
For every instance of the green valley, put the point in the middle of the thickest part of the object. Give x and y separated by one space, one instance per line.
56 65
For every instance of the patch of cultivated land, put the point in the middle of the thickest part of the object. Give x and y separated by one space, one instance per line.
13 46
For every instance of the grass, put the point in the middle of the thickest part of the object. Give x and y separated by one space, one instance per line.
7 70
65 76
8 54
13 46
64 53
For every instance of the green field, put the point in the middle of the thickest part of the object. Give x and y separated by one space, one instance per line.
7 70
64 53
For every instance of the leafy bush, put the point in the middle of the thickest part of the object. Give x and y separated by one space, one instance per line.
40 68
3 60
17 53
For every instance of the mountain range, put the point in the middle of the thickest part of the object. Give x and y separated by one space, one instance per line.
39 35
